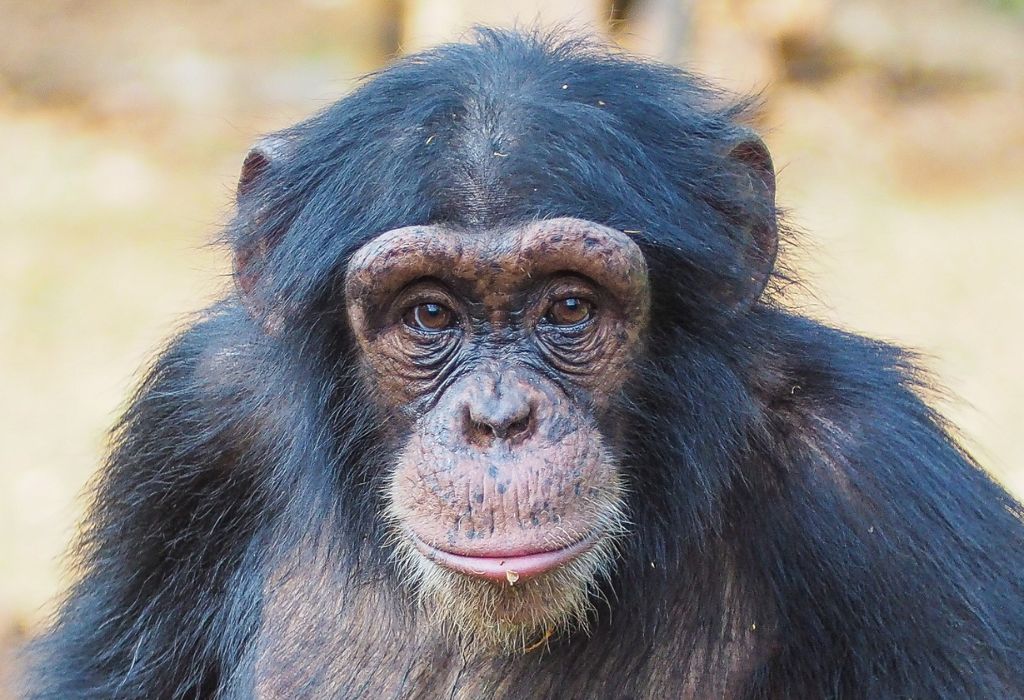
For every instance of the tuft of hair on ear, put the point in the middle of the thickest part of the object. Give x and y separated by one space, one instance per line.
756 215
256 230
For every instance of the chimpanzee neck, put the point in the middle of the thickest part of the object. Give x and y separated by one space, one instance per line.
323 636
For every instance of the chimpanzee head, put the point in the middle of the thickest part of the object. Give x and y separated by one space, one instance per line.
477 222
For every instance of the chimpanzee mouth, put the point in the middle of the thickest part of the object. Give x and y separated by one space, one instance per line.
506 566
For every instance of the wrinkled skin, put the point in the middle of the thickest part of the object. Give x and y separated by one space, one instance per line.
504 465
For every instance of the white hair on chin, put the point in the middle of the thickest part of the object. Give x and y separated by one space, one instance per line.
514 619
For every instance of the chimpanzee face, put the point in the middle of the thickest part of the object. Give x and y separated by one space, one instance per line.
496 356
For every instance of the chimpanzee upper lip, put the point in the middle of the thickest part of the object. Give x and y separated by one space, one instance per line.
506 566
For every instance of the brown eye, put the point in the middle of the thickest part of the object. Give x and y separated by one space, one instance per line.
429 317
569 311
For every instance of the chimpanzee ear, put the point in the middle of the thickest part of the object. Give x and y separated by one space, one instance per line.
760 232
256 235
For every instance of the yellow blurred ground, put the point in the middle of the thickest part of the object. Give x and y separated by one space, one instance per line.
899 136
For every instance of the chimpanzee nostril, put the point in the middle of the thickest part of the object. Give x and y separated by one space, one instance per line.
517 428
509 417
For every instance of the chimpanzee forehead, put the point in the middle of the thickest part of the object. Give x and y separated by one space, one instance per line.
499 260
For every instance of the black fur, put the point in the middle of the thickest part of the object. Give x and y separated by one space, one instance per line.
784 476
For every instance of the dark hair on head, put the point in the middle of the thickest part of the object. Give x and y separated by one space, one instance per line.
512 127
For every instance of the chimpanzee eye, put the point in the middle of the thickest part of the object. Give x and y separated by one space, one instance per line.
569 311
429 317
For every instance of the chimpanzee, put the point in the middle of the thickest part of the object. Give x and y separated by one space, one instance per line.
505 403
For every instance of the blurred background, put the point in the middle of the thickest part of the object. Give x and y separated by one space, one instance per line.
897 128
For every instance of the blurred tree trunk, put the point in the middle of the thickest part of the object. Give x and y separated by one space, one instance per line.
739 43
656 28
429 22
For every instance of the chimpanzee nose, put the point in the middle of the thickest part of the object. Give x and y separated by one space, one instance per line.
499 410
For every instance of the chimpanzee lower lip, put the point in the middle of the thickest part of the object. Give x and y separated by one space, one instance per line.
505 568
